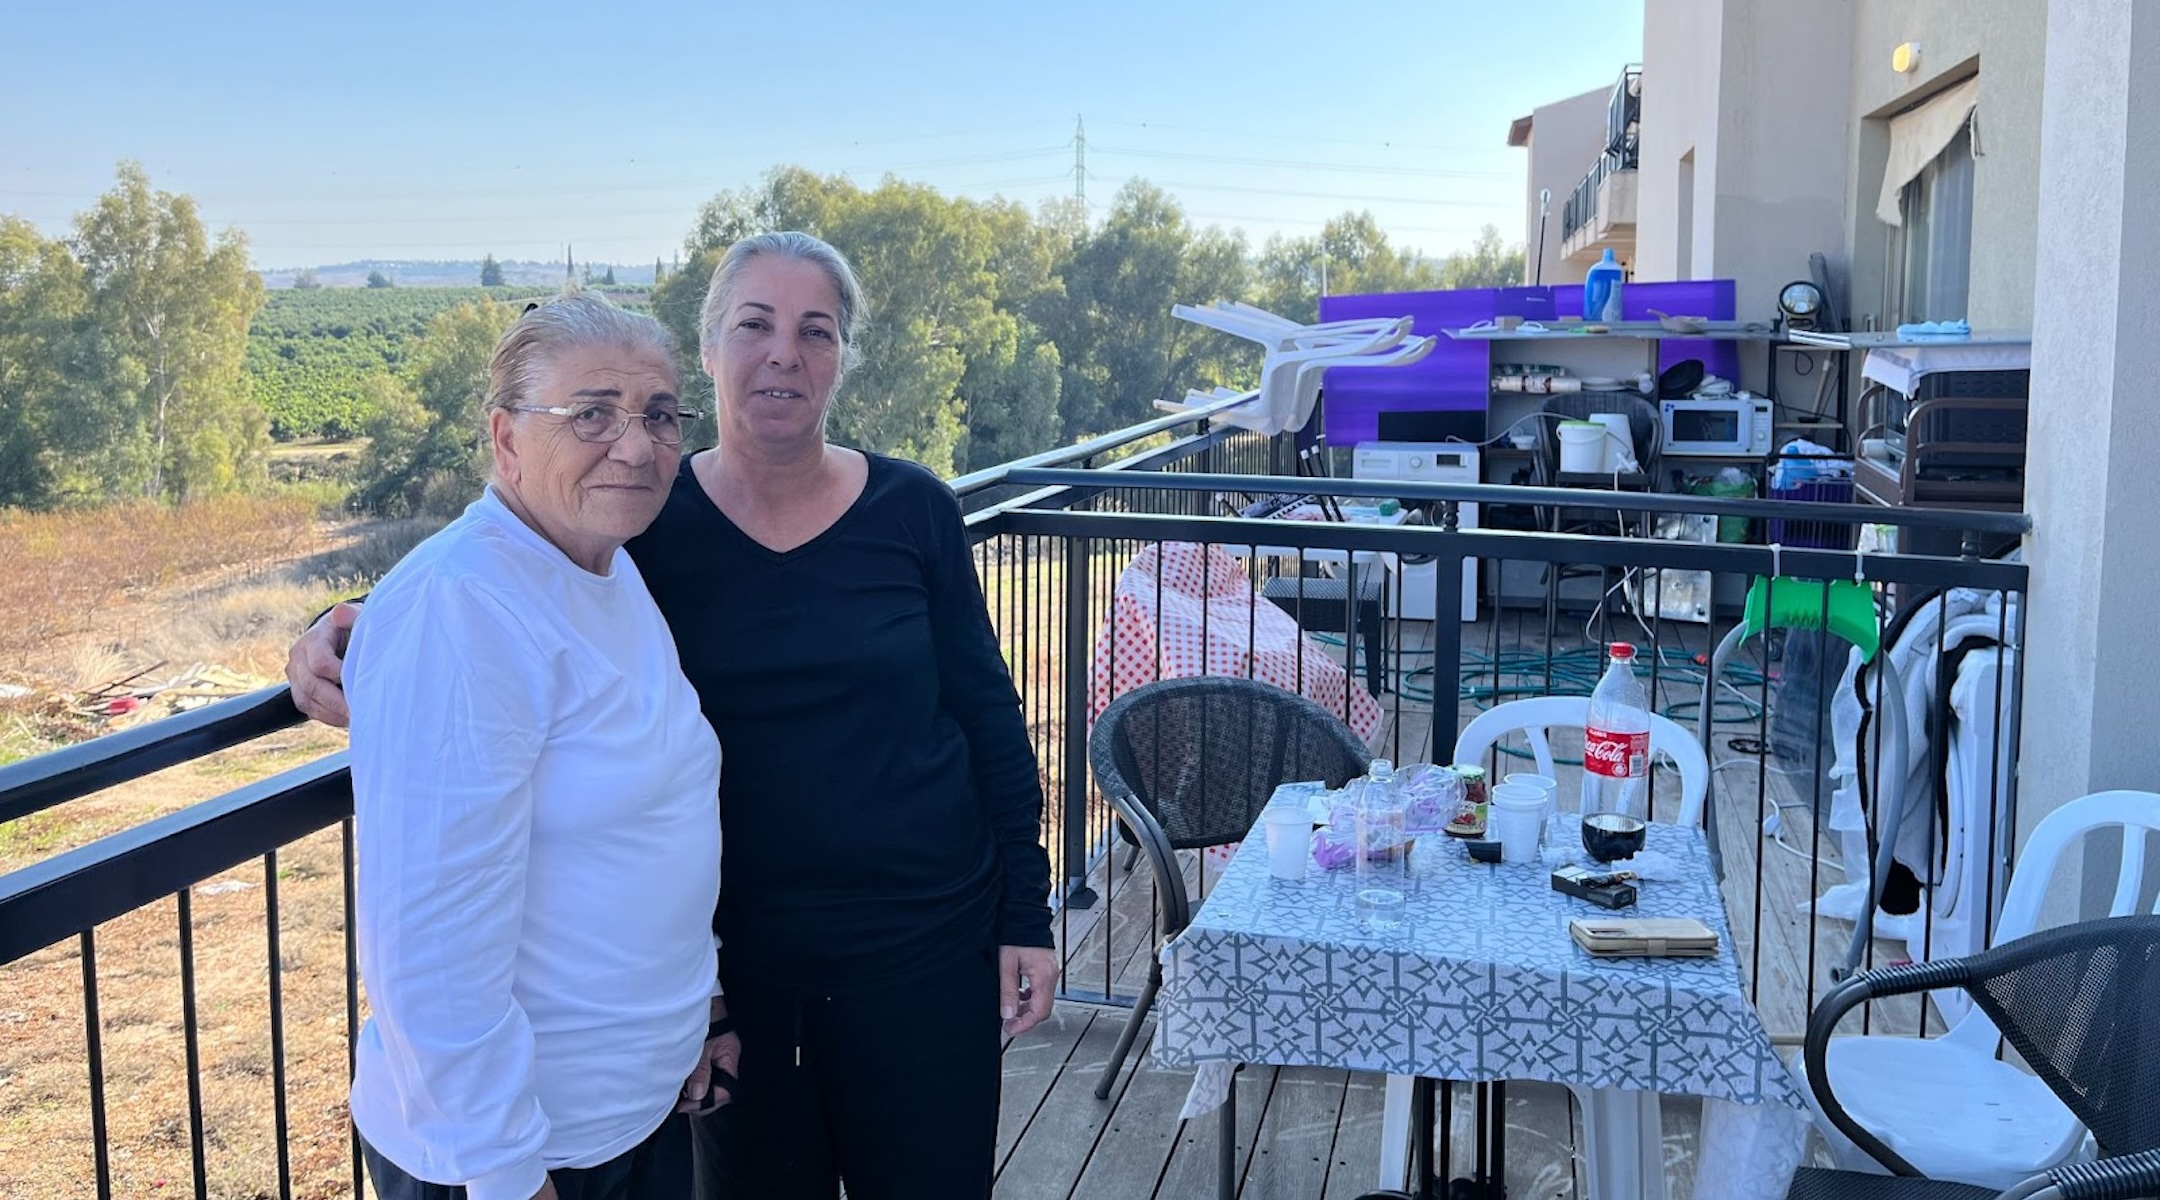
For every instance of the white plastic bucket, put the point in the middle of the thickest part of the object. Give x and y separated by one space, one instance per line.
1582 447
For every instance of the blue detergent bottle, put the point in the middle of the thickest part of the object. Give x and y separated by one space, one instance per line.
1601 290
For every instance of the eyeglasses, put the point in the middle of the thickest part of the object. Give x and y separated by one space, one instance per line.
599 422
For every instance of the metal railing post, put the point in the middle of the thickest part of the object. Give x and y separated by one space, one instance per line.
1077 893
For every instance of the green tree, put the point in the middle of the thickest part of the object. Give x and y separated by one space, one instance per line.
427 449
608 279
172 310
376 279
1487 264
1351 254
52 415
490 272
1120 348
306 281
938 337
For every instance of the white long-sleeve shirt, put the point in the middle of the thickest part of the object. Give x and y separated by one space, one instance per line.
539 857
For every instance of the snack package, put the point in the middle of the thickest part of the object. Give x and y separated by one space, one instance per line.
1432 795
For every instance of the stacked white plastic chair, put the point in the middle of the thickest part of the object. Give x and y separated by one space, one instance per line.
1297 355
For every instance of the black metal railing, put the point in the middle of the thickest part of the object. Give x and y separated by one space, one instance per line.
1623 152
1612 585
1056 538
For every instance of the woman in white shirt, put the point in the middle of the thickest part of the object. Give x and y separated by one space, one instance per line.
538 842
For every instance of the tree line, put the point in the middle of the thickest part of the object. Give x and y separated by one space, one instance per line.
994 331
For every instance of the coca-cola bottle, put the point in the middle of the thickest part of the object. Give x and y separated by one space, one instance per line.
1616 761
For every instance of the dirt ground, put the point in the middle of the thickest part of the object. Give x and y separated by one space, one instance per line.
239 617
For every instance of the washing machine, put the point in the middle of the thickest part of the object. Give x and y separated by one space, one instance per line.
1425 462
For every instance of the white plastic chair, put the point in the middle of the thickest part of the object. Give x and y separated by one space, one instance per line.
1298 355
1534 717
1621 1129
1281 333
1309 374
1947 1105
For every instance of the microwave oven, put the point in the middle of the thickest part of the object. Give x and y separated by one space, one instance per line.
1737 425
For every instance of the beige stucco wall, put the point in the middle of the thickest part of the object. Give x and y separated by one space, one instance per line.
1681 40
2092 646
1752 88
2007 39
1781 178
1566 138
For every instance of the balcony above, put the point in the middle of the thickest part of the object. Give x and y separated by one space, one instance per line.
1600 216
1600 213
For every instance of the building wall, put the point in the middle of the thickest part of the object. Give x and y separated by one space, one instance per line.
1681 47
1781 187
1566 138
2092 647
2007 40
1754 91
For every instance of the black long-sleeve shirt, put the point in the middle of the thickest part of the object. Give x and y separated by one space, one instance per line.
879 801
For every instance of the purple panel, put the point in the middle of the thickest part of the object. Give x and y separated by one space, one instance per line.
1529 303
1710 298
1455 377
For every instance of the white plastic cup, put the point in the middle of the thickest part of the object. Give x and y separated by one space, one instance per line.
1545 784
1515 817
1289 840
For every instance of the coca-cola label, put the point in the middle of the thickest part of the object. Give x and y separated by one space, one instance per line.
1616 755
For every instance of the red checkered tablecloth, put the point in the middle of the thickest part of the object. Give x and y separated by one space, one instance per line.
1183 609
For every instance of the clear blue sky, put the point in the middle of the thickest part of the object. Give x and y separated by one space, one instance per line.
453 128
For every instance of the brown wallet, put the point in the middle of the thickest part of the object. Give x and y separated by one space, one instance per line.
1644 937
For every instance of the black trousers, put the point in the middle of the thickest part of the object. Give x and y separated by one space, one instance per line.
894 1090
658 1168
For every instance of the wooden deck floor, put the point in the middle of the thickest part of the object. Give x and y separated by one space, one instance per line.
1304 1133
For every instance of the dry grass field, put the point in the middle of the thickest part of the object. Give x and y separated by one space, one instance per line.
95 597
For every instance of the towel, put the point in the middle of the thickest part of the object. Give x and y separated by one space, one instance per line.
1936 329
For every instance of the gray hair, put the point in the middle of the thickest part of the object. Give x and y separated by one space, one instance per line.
803 248
574 320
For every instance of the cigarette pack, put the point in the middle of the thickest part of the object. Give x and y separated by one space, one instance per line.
1602 890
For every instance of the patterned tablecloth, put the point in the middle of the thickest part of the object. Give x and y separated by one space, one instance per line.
1483 984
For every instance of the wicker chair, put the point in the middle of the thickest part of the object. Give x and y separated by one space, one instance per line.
1189 763
1644 427
2081 1006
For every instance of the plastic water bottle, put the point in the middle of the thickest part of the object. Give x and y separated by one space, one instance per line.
1616 762
1383 859
1601 290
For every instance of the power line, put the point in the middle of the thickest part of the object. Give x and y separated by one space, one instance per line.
1301 165
224 196
1342 196
1302 138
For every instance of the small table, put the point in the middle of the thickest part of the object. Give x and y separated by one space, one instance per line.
1352 562
1484 984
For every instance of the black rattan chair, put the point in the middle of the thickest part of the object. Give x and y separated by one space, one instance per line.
1189 763
2080 1004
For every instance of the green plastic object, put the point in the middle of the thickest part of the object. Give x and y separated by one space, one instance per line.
1731 530
1799 604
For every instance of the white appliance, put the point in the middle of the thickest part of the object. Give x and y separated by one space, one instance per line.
1425 462
1737 424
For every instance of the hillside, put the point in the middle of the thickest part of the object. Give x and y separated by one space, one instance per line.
452 273
310 352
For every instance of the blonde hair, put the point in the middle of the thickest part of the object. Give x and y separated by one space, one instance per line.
548 329
803 248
